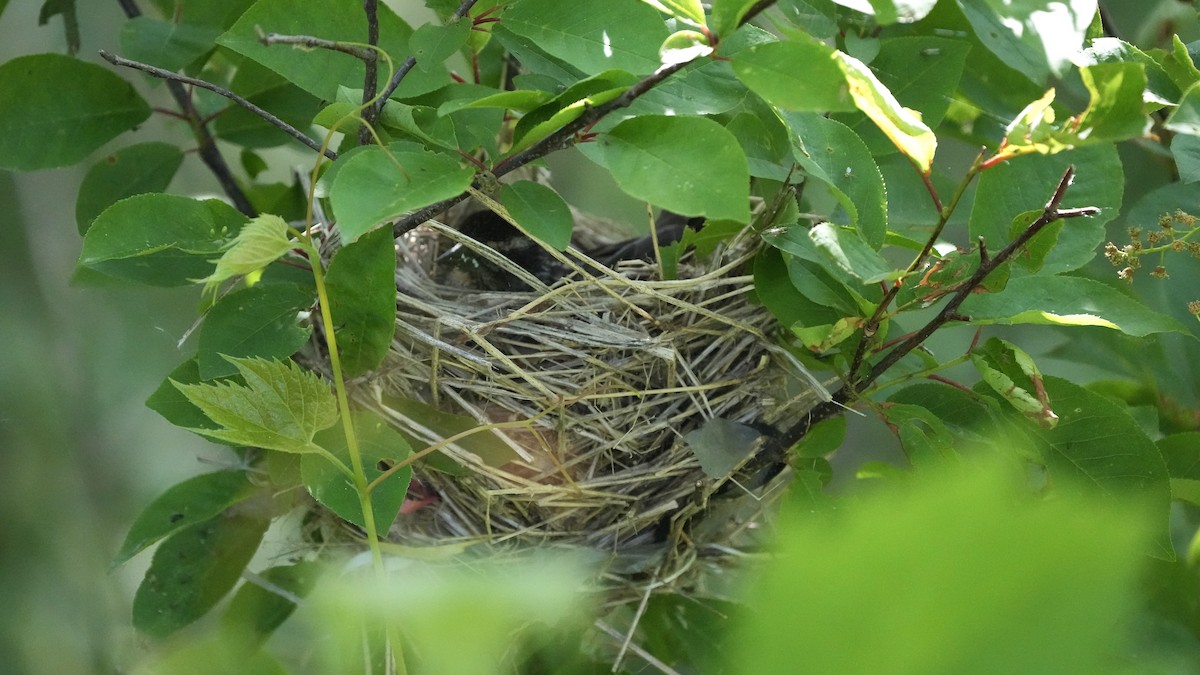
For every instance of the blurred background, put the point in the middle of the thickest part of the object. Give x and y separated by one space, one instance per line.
80 454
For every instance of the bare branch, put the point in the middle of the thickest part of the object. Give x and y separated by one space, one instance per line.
403 70
370 75
177 78
311 42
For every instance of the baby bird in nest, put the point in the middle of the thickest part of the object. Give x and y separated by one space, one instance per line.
463 267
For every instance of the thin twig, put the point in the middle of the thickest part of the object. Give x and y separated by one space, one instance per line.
206 145
370 75
176 78
312 42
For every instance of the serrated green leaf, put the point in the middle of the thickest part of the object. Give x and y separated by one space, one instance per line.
260 321
539 211
194 568
432 44
1067 301
321 71
689 165
183 505
281 407
994 556
835 155
375 184
168 45
133 170
592 37
361 282
260 242
159 239
380 447
173 405
38 131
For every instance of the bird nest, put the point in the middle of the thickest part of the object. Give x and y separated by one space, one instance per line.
585 398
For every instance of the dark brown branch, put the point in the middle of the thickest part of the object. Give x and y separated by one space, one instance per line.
1050 213
403 70
566 136
371 73
311 42
176 78
207 148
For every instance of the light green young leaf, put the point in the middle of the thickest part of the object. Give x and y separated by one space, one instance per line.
689 165
1067 301
261 242
41 130
683 46
281 406
691 11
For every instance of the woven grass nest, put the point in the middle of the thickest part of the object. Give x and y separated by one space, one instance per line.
599 379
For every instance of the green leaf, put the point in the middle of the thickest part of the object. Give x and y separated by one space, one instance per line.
925 438
1007 190
381 447
432 44
684 46
1160 90
835 248
256 611
261 321
1182 455
539 211
194 500
194 568
321 71
361 282
1021 587
721 446
281 406
727 14
822 438
522 100
260 242
134 170
800 75
1012 374
375 185
1067 301
1034 37
159 239
892 11
689 165
1186 151
901 125
593 37
41 130
691 11
165 44
1185 119
1098 448
835 155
